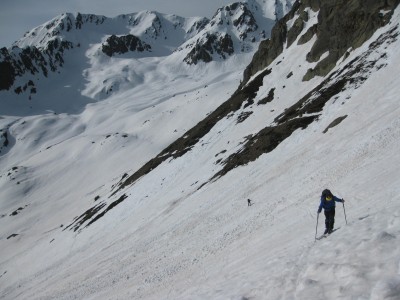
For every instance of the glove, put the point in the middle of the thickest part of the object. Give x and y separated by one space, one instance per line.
343 200
319 210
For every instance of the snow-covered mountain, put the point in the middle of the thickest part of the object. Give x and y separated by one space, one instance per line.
78 47
143 195
74 46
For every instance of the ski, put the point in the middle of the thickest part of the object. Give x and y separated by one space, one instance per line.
327 234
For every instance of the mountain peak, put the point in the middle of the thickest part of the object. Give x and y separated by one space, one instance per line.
235 28
93 39
58 27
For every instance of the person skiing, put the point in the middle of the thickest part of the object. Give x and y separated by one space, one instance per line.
248 202
328 204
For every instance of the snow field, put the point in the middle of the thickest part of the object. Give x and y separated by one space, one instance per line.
171 240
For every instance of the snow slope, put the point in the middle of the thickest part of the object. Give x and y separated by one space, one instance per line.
173 237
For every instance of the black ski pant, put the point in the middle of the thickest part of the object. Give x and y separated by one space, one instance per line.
329 219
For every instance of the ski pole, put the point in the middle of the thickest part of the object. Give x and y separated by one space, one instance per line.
344 213
316 228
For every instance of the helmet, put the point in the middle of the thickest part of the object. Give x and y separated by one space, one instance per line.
327 193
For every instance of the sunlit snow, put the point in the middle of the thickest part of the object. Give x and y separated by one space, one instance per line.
171 239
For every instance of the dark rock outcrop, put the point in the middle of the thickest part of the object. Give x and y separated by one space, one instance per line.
306 37
269 49
336 122
244 21
263 142
269 98
4 142
239 20
93 214
7 75
124 44
205 48
345 24
342 25
31 61
297 28
82 19
198 25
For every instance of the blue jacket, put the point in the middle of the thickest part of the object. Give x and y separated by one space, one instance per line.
328 205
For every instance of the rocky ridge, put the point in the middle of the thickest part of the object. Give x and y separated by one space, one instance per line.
305 111
124 44
342 26
235 28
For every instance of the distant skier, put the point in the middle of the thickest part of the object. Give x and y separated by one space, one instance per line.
328 204
248 202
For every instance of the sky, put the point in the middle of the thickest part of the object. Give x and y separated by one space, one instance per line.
20 16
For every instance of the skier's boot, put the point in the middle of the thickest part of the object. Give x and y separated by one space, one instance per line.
326 231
